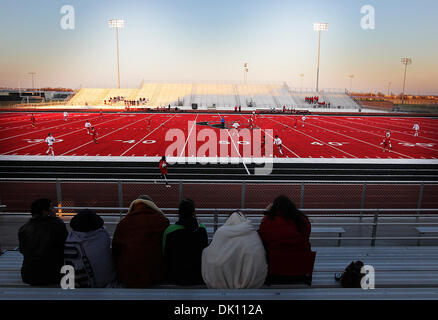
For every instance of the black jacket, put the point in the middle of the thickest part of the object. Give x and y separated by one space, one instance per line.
182 250
42 245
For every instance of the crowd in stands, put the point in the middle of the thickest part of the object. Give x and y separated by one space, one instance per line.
315 101
128 103
146 250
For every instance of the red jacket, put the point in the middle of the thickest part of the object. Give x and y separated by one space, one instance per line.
163 167
284 243
137 245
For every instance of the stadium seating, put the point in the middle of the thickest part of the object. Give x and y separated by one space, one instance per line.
400 273
218 96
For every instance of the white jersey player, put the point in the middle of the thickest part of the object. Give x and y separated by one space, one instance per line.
236 125
65 116
50 140
279 144
304 120
88 126
416 128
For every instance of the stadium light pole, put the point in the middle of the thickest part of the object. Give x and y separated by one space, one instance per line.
406 62
389 87
245 72
33 81
301 76
319 27
117 24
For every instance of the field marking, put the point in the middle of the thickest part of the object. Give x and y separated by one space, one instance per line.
228 131
408 134
130 124
315 139
40 130
349 137
188 136
162 124
395 139
29 124
273 138
63 135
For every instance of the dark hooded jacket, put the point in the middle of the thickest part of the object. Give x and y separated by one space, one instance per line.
182 249
137 245
41 241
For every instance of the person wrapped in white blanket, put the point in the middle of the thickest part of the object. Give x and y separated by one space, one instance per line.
236 258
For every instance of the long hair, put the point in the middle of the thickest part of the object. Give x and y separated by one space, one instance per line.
283 206
187 217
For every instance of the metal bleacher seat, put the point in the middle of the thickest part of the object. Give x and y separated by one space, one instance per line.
400 273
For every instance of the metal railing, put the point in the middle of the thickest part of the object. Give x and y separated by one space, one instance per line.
213 218
366 194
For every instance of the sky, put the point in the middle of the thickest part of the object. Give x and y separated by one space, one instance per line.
210 40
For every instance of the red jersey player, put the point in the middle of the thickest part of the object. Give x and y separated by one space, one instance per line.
387 142
94 134
32 119
163 169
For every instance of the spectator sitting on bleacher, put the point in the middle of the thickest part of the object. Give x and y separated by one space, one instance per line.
183 243
235 259
41 241
285 233
137 244
88 250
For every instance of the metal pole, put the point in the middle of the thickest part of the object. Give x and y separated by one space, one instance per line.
374 232
120 187
404 84
302 196
118 68
242 199
420 201
319 54
362 203
59 195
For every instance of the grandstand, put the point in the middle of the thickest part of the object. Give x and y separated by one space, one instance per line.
217 96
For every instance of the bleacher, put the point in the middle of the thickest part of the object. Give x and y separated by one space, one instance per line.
216 96
400 273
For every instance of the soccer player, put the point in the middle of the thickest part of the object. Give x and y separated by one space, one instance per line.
222 122
296 121
50 140
278 142
101 114
304 120
416 128
88 126
263 145
65 116
32 119
148 122
387 142
94 133
236 125
163 169
251 122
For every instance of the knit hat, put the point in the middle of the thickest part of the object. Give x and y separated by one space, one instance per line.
86 221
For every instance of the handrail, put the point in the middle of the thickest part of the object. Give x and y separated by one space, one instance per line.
175 181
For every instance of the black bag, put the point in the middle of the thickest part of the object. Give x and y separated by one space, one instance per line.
352 275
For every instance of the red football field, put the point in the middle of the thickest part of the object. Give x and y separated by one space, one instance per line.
130 135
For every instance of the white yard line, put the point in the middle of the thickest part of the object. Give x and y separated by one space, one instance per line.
130 124
307 135
63 135
375 134
188 136
146 135
352 138
237 149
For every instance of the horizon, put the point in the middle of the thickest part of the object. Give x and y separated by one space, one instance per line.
194 40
